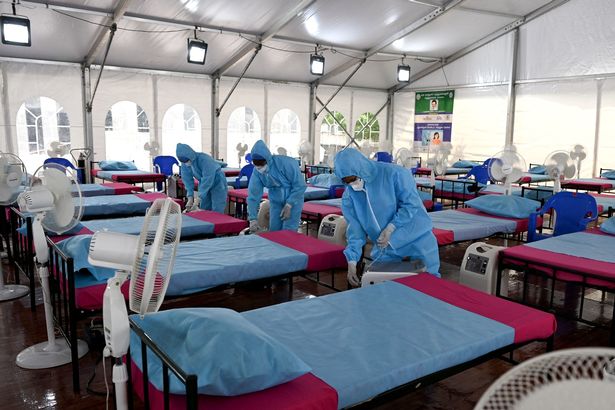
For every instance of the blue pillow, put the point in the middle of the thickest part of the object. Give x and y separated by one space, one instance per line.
78 248
608 175
117 166
538 170
508 206
462 163
608 226
229 355
325 180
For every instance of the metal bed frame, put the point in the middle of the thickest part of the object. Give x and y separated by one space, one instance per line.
455 198
66 313
190 380
519 264
149 180
311 170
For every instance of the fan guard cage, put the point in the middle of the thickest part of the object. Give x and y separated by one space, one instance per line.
564 365
169 224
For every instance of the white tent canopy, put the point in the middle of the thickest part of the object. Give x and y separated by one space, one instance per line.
560 53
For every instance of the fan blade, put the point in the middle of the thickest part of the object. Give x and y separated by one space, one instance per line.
570 171
495 170
515 174
63 213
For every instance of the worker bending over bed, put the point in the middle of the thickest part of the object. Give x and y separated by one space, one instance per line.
282 178
382 203
208 172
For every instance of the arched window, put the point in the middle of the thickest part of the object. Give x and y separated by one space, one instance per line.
332 136
41 121
285 132
181 123
367 128
243 127
126 133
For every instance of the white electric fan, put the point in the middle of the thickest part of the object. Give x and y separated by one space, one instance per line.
403 157
241 151
13 177
559 165
282 151
305 152
367 149
578 154
507 167
568 379
152 147
438 162
57 149
148 259
54 198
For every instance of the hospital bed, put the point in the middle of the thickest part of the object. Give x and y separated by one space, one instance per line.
231 172
311 170
598 185
452 191
423 330
239 197
583 258
108 188
201 265
313 212
424 171
131 177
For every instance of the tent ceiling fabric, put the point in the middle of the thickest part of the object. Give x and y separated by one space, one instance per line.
357 25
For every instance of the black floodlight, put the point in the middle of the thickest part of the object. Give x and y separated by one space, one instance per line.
317 64
197 51
403 73
15 30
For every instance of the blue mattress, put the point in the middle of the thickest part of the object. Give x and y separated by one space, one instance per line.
190 226
313 193
580 244
114 205
95 190
203 264
363 351
337 202
466 226
536 193
606 202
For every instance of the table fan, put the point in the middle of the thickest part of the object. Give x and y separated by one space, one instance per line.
241 151
404 158
148 259
13 177
507 167
439 162
559 165
54 198
578 154
567 379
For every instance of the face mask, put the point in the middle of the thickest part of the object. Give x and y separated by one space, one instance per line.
262 169
357 184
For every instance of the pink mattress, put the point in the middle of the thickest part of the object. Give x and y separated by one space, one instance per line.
122 188
564 266
587 185
453 195
310 392
223 224
322 255
529 324
132 178
319 211
231 172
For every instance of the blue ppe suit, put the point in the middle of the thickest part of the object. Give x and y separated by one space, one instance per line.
208 171
389 197
285 184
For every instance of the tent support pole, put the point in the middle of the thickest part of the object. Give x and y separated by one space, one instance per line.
312 123
324 105
88 128
219 109
599 86
338 123
512 91
390 120
215 123
6 113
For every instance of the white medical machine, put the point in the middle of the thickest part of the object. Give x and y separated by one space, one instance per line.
479 268
333 229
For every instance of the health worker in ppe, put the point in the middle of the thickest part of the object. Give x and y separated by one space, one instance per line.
208 172
286 186
381 202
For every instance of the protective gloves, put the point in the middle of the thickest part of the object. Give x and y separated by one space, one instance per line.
385 236
189 203
193 204
254 226
285 214
353 278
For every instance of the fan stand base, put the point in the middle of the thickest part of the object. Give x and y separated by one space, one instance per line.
10 292
40 357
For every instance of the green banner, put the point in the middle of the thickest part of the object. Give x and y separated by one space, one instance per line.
434 101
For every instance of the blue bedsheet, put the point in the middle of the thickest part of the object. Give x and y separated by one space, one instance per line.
536 193
337 202
204 264
114 205
606 202
95 190
580 244
243 182
108 175
467 226
190 226
369 340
